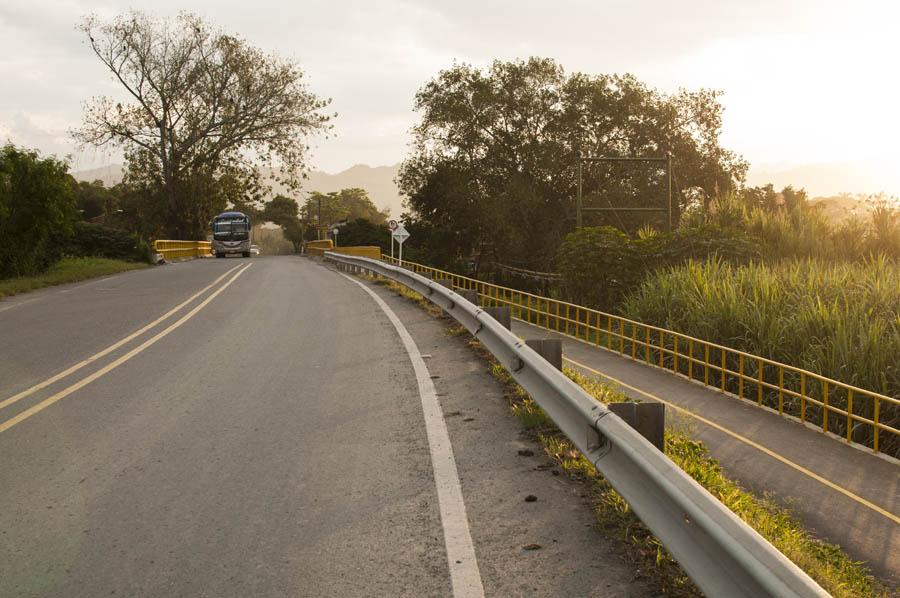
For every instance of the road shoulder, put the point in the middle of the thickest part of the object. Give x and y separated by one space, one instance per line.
548 547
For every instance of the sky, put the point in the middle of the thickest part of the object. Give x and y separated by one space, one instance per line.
811 88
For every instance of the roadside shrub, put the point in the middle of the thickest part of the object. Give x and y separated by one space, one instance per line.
696 243
600 265
37 206
94 240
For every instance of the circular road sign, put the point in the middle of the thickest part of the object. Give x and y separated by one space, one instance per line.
392 224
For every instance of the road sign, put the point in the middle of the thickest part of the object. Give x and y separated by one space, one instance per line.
400 234
392 224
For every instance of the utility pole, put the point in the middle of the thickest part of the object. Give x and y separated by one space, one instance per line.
669 187
578 200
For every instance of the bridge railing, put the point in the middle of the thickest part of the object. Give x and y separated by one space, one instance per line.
855 415
722 554
171 249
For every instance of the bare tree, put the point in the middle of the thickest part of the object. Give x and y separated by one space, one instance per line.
201 105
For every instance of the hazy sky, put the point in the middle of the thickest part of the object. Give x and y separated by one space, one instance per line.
810 87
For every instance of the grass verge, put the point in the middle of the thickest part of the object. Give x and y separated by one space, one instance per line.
826 563
67 270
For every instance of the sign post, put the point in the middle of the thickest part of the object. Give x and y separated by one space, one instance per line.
392 225
335 230
400 234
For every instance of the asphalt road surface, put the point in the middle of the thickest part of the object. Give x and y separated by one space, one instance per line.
264 428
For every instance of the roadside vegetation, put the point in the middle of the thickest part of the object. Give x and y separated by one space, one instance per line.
69 269
492 177
839 319
42 222
826 563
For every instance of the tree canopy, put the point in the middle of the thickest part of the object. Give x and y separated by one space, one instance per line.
494 159
347 204
285 212
205 112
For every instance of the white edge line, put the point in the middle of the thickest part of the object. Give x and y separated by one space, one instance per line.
464 574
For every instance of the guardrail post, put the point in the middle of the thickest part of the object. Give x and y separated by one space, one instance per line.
501 314
548 348
648 419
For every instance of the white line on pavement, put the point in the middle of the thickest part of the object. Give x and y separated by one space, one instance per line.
464 574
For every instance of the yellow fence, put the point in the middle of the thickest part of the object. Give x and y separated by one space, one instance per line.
855 414
182 249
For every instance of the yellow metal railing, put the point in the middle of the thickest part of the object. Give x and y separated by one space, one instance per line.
170 249
834 407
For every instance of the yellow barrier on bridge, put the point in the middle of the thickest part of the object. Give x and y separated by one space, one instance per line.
369 251
318 248
814 400
170 249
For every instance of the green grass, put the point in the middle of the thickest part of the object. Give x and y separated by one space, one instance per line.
826 563
67 270
838 319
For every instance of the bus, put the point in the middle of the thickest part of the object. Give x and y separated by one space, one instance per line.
231 234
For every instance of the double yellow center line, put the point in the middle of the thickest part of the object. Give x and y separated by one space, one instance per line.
116 363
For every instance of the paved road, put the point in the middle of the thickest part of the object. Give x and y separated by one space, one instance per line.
266 438
861 513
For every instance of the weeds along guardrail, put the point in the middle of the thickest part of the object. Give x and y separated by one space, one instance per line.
857 416
721 554
171 249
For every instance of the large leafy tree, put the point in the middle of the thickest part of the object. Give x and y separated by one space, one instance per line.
205 111
494 158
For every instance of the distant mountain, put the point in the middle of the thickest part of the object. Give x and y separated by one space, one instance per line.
377 180
110 174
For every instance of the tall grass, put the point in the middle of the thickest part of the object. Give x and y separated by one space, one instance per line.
838 319
800 229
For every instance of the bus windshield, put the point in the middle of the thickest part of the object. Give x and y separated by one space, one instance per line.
231 229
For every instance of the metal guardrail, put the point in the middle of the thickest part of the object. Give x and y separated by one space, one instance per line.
811 398
171 249
722 554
